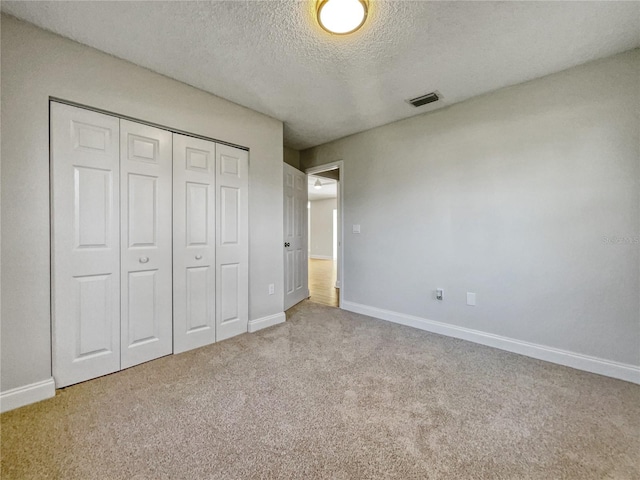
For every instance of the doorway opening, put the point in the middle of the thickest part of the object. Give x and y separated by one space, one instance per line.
325 234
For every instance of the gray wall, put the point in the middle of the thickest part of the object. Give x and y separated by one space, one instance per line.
36 65
321 227
516 196
292 157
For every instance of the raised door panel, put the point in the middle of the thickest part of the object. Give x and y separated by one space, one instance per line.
194 291
289 210
93 209
289 270
142 210
85 291
299 269
199 290
94 311
232 241
142 302
197 213
295 236
146 242
229 215
230 293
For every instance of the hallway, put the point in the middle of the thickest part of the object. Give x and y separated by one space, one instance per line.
322 281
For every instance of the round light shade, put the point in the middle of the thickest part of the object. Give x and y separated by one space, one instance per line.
342 16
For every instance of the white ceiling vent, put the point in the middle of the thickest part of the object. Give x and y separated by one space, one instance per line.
424 99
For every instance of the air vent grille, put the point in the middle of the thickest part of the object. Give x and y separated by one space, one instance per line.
424 99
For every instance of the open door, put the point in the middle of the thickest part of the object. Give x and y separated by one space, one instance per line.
295 237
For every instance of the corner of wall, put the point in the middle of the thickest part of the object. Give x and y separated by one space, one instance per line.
291 157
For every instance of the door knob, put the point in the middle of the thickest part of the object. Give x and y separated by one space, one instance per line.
144 259
287 244
198 257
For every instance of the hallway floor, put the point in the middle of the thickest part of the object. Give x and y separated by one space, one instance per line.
322 282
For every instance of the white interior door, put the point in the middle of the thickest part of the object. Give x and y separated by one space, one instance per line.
295 237
194 247
85 244
232 241
145 206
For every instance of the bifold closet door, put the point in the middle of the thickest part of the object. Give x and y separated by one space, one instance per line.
85 256
194 248
145 215
232 241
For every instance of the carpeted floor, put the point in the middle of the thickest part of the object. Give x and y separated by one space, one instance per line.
331 394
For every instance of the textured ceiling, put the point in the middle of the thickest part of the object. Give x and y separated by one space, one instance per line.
271 56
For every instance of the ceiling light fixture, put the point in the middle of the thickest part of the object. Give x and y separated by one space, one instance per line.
342 16
317 185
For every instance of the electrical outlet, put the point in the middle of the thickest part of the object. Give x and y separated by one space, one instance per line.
272 289
439 294
471 299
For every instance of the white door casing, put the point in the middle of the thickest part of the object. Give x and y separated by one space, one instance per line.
338 165
85 290
232 241
146 237
296 282
194 265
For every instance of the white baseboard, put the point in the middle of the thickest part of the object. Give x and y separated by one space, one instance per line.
32 393
268 321
321 257
601 366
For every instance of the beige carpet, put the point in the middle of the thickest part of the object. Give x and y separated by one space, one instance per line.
331 394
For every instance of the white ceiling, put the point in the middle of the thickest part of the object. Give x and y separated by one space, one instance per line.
272 56
329 188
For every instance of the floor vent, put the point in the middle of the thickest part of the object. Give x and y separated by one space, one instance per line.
424 99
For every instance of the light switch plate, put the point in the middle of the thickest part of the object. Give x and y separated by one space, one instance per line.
356 228
471 299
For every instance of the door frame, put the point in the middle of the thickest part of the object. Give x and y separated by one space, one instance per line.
337 165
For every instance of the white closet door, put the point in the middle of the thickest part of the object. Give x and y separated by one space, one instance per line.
296 265
85 244
194 243
232 241
145 206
